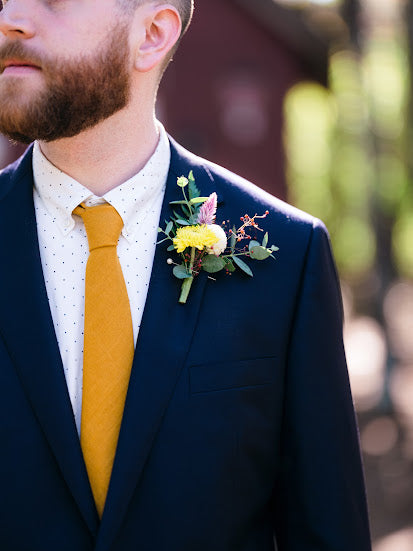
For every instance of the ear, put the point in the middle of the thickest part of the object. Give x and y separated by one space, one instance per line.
160 28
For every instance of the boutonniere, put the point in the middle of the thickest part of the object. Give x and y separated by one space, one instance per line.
204 245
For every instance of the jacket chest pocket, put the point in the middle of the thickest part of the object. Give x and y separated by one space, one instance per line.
232 375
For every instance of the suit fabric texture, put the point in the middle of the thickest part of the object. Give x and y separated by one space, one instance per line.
238 432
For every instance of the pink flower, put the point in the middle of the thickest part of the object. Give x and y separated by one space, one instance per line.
208 210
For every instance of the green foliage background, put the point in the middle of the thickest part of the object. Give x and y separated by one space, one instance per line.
348 157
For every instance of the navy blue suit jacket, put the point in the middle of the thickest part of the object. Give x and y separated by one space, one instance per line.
238 427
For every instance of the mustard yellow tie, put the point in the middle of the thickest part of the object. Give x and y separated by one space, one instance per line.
108 347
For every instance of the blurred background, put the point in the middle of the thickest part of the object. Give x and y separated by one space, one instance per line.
311 99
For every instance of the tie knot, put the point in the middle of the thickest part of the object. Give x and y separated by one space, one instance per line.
103 225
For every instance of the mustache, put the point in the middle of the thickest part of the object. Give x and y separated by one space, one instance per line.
18 52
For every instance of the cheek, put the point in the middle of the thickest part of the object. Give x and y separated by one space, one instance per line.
68 28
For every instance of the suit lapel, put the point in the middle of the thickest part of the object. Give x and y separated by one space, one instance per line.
27 328
164 339
163 343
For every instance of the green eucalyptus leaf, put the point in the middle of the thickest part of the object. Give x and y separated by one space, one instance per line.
213 264
233 240
229 265
182 222
265 240
169 228
241 264
170 248
274 248
253 244
182 202
160 230
182 182
260 253
181 272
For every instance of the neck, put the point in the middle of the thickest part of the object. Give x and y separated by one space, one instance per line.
103 157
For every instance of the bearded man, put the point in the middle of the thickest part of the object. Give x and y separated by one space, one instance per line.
130 421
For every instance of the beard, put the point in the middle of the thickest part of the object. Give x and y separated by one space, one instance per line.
76 95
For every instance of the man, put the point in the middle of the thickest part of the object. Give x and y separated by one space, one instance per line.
237 431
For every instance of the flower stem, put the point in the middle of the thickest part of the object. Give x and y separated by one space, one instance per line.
188 204
186 284
186 287
192 259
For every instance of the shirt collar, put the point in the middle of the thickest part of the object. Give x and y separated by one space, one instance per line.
134 199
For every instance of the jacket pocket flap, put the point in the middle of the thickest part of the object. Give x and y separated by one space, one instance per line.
236 374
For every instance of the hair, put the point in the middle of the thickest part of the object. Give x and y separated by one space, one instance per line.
185 9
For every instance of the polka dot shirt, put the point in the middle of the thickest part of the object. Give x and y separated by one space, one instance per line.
64 248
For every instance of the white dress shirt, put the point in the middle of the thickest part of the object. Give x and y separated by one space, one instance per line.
64 248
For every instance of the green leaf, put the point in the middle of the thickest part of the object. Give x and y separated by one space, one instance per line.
178 202
229 265
186 211
274 248
182 182
233 240
198 200
241 264
253 244
193 189
170 248
169 228
182 222
160 230
181 272
260 253
265 240
213 264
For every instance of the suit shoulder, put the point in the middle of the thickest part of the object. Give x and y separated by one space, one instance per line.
14 172
7 171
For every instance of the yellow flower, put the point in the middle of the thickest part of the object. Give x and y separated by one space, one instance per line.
194 236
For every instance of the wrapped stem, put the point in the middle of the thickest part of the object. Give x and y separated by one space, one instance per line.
186 287
186 284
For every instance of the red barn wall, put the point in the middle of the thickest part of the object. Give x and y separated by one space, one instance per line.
222 96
